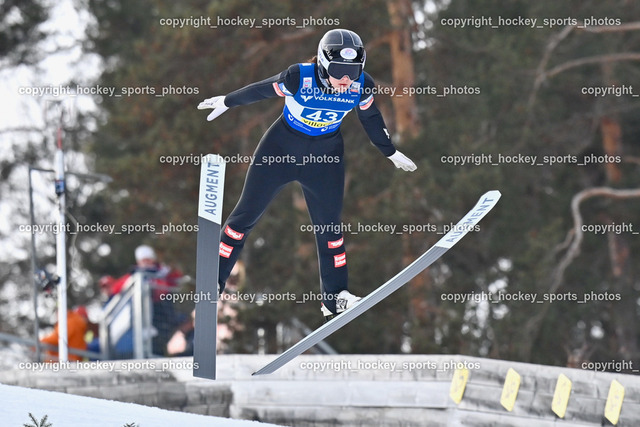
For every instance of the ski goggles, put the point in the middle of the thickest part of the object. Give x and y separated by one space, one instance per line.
338 70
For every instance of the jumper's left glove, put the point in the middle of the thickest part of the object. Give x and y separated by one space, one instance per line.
217 103
402 162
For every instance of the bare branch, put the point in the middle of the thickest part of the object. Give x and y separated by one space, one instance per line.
554 41
574 248
541 75
628 26
576 235
565 244
614 57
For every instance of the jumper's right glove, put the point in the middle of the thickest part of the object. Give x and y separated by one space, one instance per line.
402 162
217 103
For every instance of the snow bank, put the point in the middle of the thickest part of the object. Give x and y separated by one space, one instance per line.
66 410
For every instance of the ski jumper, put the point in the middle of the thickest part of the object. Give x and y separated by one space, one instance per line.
305 145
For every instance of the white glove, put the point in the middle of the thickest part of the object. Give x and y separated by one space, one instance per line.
402 162
217 103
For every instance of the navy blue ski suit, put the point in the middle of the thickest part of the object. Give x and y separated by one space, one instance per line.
305 145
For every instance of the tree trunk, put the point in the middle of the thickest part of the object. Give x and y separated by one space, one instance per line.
403 75
623 311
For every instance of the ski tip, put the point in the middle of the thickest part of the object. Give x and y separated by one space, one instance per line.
493 194
486 202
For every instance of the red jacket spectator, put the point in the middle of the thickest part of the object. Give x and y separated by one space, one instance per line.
163 278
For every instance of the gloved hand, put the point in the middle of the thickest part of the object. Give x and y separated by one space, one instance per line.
217 103
402 162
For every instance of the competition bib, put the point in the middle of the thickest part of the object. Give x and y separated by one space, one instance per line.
313 111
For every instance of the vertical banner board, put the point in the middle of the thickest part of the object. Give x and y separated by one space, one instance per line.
207 261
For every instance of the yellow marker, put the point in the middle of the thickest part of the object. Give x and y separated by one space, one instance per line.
510 390
614 402
561 396
458 384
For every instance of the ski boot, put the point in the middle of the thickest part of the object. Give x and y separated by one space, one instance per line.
344 301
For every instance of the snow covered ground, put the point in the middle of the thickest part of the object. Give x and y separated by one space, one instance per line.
66 410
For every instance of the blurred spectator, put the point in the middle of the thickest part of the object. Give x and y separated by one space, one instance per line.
162 279
77 321
107 288
228 307
181 343
123 348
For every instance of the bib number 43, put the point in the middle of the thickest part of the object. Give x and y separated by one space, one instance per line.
321 115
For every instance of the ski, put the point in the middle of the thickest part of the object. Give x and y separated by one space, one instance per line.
207 259
468 222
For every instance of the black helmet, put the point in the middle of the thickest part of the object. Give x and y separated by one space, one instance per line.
341 53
